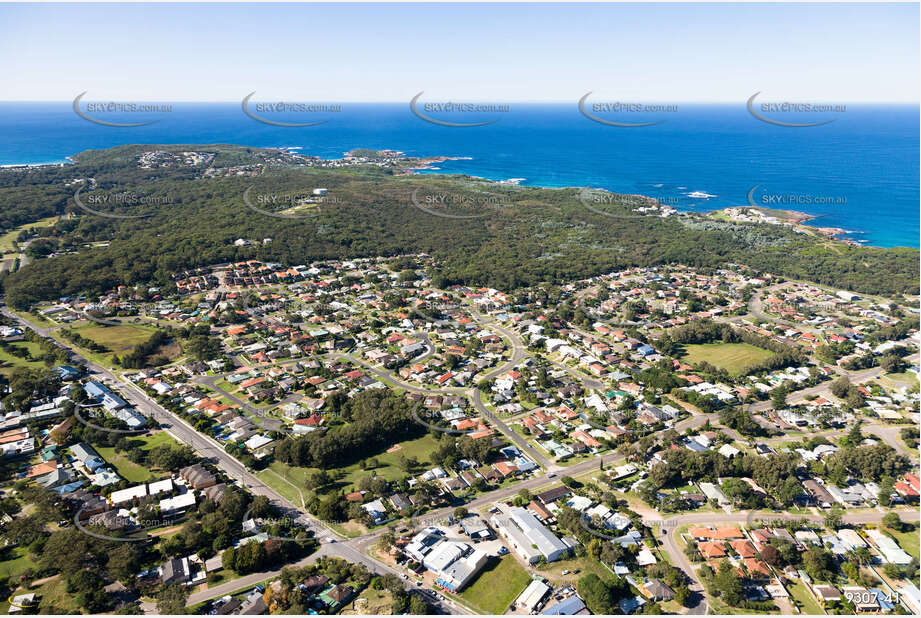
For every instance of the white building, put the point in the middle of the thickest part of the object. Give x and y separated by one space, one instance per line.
528 537
529 600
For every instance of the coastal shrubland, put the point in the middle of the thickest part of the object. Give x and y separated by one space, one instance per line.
513 236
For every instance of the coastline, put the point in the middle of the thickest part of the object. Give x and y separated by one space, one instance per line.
795 218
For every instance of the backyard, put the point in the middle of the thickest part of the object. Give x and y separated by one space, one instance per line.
127 469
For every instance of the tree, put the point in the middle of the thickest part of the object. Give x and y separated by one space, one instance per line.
779 398
171 600
819 563
893 522
833 520
840 387
727 583
418 606
892 571
683 595
460 512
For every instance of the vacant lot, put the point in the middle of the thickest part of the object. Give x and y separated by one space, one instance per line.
8 361
733 357
807 603
345 478
497 586
904 378
116 338
369 602
126 468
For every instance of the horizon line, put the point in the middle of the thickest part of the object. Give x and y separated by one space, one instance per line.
495 101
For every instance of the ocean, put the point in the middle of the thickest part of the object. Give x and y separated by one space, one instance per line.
859 173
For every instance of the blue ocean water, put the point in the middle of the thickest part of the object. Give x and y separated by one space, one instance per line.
859 173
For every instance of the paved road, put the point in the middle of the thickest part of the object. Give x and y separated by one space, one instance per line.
355 549
679 559
824 389
209 448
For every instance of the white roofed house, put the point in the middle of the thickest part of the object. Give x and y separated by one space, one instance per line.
714 493
376 510
129 494
177 503
532 597
889 548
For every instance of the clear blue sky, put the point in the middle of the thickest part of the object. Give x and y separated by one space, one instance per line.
476 52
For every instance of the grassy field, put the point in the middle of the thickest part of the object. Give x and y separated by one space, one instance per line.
807 604
369 602
345 478
8 239
118 339
733 357
904 378
577 568
497 586
17 563
55 598
126 468
8 361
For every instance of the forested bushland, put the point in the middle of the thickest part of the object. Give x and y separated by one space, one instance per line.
377 418
527 235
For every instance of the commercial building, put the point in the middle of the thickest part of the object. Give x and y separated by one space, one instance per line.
528 537
532 597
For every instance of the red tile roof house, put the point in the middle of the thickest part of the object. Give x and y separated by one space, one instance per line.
710 550
743 548
586 439
756 568
251 382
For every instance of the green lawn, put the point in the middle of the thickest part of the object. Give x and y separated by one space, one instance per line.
126 468
805 600
347 477
733 357
8 361
909 541
903 378
17 563
116 338
497 586
8 239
